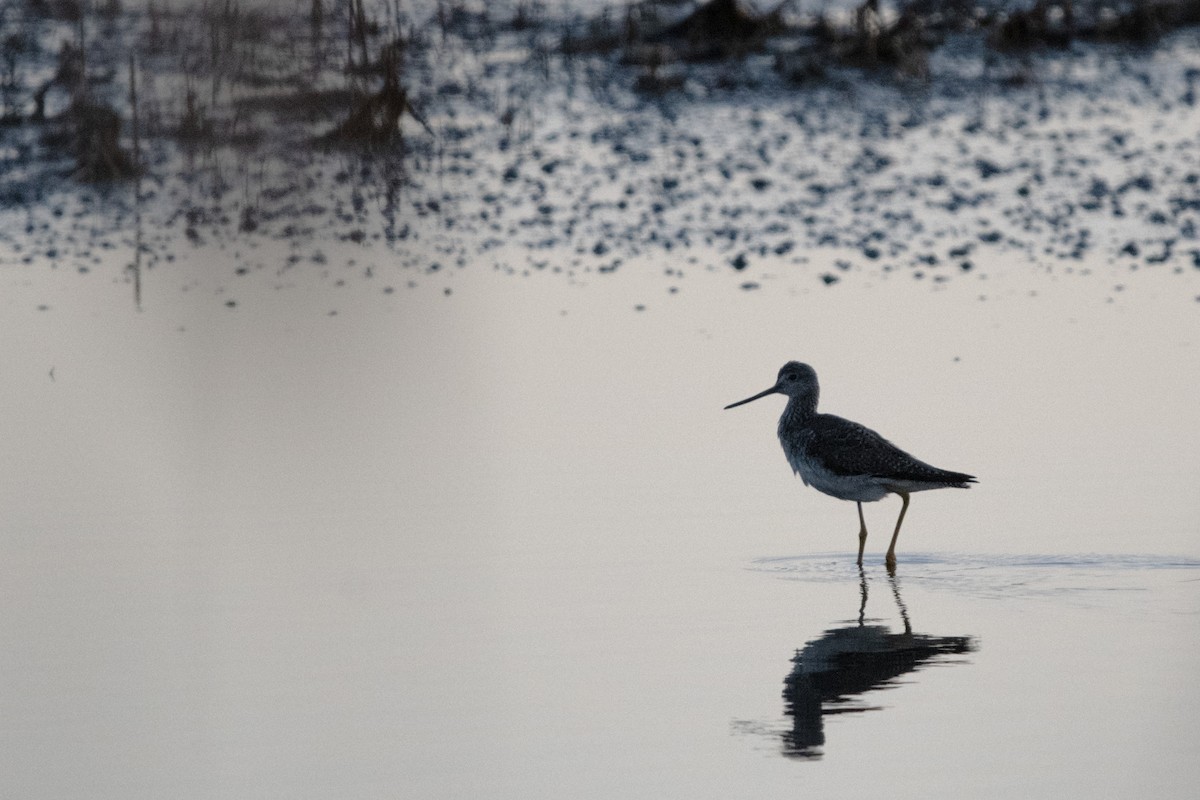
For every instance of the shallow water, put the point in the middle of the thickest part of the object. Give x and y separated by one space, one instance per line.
505 543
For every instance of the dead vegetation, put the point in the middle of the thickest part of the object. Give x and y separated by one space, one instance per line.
873 42
720 29
1057 23
375 117
896 38
230 73
237 73
96 142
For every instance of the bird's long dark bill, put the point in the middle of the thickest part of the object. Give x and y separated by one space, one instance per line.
748 399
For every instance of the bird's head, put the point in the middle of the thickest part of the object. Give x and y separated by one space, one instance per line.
794 380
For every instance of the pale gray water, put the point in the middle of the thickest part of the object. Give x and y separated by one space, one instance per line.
506 544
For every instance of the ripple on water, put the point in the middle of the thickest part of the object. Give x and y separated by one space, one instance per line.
1086 577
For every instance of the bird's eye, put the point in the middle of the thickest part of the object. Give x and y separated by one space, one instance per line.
791 376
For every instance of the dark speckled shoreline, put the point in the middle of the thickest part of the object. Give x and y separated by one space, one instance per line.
516 153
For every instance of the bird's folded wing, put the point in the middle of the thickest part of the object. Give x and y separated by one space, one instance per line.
847 448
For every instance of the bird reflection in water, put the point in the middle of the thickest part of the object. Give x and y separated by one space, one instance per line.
830 672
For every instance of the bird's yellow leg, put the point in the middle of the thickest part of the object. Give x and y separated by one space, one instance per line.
862 534
890 560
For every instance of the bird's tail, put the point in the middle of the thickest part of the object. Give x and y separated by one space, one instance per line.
958 480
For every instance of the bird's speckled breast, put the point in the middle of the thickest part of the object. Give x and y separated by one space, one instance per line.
862 488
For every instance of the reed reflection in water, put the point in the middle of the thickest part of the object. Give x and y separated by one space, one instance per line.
831 672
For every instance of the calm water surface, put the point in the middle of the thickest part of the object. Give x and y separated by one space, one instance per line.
505 543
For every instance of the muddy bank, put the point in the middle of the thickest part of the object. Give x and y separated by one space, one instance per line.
689 138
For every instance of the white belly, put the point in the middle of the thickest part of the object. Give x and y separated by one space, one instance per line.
863 488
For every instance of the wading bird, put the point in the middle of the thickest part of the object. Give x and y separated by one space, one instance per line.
844 459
